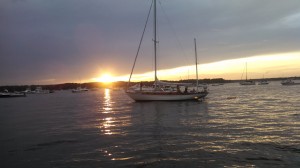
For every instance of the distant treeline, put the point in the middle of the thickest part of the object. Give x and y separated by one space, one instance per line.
272 79
68 86
65 86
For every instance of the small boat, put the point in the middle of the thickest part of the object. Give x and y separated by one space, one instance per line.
79 90
7 94
247 82
263 82
39 90
164 91
27 91
217 84
289 82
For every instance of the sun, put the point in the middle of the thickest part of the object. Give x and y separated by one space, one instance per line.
106 78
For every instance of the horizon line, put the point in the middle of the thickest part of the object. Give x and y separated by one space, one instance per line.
234 80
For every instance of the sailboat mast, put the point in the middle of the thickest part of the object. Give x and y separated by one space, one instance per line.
155 43
196 61
246 71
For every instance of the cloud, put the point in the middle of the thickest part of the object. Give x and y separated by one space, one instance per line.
292 21
71 39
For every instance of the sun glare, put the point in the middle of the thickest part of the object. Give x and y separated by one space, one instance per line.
106 78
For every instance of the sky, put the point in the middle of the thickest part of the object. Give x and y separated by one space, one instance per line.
58 41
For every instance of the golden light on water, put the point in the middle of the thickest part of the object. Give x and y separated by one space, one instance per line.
108 121
107 102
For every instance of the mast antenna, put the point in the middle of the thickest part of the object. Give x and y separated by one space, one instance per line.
196 62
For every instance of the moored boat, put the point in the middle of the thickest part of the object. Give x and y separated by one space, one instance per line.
247 82
263 82
290 82
40 90
79 90
164 91
7 94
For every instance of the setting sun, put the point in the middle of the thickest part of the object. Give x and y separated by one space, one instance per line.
105 78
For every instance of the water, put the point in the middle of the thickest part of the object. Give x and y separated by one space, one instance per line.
236 126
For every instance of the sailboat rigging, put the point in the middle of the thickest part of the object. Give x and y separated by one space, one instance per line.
263 81
164 91
247 82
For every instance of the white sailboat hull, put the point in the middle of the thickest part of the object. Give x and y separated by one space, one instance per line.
140 96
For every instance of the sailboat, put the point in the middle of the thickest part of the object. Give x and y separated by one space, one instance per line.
247 82
164 91
290 82
263 81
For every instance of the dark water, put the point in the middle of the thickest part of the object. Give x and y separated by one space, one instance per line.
258 126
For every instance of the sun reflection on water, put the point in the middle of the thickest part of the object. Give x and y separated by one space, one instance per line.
111 122
107 101
107 108
114 118
107 125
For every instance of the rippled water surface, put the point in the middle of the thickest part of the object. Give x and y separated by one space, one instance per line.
236 126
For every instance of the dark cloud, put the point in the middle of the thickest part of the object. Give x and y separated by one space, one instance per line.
69 40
